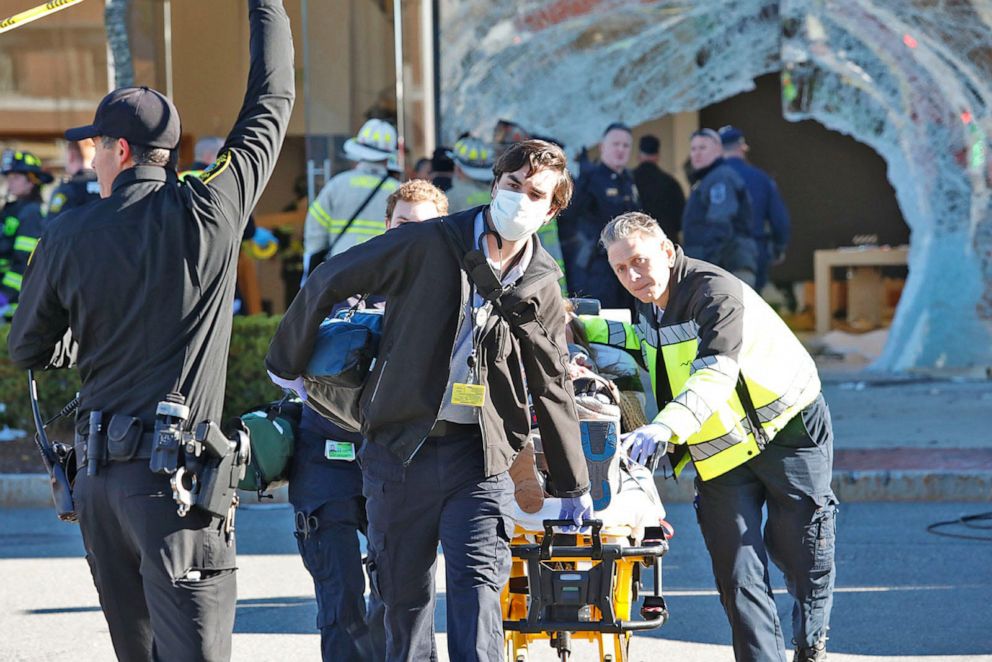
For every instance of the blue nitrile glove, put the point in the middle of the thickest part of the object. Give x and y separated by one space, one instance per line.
576 509
263 237
294 385
646 442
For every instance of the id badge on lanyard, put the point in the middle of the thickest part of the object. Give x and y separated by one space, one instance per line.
472 393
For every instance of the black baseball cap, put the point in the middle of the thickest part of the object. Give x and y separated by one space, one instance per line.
140 115
730 135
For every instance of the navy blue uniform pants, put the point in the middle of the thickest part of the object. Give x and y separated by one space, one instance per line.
330 513
167 583
791 478
443 496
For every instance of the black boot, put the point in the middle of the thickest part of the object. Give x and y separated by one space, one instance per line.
815 653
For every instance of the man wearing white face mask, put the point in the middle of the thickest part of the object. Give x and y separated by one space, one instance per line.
475 324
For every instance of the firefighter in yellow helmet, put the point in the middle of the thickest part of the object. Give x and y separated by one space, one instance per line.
22 218
350 209
472 186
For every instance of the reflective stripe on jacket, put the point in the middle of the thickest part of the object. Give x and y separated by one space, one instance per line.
340 198
21 229
715 329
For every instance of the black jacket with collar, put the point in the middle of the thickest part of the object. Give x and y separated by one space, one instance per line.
416 268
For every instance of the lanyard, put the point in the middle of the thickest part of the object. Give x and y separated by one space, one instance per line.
479 318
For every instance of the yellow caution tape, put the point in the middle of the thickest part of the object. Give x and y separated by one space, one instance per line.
41 11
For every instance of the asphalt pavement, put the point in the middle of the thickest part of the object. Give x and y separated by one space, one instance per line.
902 593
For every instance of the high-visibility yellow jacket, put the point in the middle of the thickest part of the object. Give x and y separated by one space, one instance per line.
716 345
338 201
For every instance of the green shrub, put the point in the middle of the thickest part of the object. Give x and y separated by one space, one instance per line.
247 383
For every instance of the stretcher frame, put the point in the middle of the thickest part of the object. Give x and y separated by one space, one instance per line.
538 593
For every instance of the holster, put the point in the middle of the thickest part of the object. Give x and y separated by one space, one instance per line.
210 473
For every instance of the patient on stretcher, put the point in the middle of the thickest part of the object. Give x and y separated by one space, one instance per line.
624 494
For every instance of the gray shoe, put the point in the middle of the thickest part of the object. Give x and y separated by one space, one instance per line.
815 653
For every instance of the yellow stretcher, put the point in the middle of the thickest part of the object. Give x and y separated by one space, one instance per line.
567 587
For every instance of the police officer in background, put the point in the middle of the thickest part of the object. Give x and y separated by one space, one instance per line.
661 194
22 218
769 216
604 190
350 209
80 186
716 223
472 185
144 278
205 152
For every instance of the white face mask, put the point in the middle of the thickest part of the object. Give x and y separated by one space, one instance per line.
515 216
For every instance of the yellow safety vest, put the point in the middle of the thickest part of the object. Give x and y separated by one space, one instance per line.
700 397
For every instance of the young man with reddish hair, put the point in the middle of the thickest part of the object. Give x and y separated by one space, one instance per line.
414 201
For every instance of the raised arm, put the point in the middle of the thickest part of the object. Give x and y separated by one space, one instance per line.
232 184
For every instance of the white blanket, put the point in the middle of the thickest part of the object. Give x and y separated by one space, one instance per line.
635 507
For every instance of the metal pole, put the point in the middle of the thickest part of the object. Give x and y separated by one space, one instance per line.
398 53
311 164
436 25
427 74
167 30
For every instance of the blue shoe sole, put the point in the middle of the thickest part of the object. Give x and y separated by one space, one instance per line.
599 445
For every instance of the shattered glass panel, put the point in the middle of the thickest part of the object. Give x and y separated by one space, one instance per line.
909 78
567 68
912 81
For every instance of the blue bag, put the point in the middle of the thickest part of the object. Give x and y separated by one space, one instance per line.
343 356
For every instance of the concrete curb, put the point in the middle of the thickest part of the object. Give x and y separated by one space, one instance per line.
33 491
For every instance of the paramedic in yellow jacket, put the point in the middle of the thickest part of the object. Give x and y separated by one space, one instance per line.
350 209
739 396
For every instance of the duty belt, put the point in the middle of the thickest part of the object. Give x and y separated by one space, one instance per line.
123 440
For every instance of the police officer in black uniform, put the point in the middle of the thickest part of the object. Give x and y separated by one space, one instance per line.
604 191
144 278
81 185
21 217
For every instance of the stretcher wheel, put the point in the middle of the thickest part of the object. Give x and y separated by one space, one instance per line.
653 607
